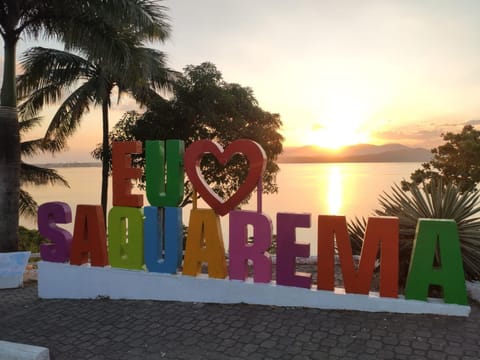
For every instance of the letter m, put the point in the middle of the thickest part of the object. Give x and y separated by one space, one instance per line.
381 235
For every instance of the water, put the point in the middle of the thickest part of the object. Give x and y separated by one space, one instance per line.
349 189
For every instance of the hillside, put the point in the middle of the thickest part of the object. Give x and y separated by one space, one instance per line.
355 153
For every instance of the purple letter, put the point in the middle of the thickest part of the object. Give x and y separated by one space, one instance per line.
288 250
49 215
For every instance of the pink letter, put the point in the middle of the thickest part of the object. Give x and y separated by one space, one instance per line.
241 251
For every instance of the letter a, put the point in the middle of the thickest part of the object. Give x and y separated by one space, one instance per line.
205 244
449 274
89 237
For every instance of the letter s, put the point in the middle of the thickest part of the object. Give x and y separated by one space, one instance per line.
49 215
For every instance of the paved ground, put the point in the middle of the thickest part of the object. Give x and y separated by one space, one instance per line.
114 329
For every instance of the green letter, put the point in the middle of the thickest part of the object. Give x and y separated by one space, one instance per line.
449 274
125 240
161 191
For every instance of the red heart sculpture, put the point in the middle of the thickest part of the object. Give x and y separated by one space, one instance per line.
250 149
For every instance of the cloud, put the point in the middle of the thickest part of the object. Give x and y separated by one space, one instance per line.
427 134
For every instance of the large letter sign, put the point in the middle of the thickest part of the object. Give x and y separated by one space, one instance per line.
152 238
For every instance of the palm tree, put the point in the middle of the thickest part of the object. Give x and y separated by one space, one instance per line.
50 73
31 174
79 24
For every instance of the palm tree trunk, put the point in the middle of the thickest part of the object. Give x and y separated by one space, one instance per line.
8 95
105 157
9 151
9 178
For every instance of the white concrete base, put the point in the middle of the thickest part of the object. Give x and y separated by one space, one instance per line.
12 267
15 351
83 282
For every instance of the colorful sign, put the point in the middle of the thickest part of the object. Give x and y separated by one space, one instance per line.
151 237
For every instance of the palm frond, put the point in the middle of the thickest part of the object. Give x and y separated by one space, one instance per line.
27 206
67 118
45 67
28 124
37 99
35 175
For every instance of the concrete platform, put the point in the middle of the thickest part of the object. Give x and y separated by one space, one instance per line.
15 351
58 280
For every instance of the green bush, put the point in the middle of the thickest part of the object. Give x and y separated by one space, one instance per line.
437 201
30 240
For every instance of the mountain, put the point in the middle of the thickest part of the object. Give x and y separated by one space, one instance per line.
355 153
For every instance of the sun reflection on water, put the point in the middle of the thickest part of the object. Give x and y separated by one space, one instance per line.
334 190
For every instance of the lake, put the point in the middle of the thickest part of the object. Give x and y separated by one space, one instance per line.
349 189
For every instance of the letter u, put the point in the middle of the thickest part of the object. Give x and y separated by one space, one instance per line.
159 193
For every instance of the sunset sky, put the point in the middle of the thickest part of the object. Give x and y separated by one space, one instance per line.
337 72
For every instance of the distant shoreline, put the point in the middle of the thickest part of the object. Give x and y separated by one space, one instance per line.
70 165
345 160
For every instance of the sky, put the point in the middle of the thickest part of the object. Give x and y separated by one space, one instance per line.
338 72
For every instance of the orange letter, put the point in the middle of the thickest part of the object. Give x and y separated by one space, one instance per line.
381 232
205 244
89 237
123 172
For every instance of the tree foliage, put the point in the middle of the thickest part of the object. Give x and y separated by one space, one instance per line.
455 162
84 79
33 174
204 106
88 26
30 240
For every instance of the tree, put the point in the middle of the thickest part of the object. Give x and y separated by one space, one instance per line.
455 162
204 106
79 25
31 174
50 73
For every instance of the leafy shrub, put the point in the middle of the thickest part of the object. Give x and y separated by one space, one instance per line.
437 201
30 240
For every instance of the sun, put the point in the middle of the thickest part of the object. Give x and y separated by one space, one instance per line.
336 137
342 123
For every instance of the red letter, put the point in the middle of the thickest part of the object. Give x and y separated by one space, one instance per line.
123 172
89 236
381 232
